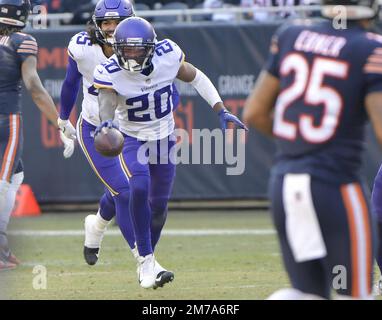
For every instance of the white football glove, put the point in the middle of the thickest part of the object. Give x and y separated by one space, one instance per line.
68 145
66 128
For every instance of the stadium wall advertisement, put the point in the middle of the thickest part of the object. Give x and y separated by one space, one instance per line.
232 57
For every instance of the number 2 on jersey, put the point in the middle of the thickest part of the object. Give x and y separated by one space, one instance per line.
310 86
143 100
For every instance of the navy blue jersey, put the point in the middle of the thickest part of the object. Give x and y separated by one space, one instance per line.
14 49
325 75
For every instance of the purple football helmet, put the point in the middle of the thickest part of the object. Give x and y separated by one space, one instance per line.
110 9
134 44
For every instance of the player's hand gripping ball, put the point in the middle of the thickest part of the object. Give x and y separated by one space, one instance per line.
108 140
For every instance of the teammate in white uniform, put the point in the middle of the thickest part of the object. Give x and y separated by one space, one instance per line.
86 50
136 84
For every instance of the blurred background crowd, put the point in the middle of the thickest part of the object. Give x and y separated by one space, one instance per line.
82 9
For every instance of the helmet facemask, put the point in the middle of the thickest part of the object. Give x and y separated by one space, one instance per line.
133 55
104 37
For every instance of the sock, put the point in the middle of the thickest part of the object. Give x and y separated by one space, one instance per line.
135 253
6 205
124 219
7 201
141 213
159 216
100 223
107 206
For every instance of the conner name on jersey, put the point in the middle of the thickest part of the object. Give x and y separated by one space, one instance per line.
318 43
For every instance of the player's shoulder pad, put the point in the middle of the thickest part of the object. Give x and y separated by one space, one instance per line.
111 65
167 47
19 38
374 37
371 45
102 74
79 44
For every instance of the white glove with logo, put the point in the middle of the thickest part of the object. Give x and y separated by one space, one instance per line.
67 128
67 135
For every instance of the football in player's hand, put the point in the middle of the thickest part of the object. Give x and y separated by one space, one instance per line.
109 142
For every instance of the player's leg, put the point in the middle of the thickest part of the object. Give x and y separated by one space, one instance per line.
376 206
162 178
299 236
350 234
123 218
140 211
11 177
110 172
95 227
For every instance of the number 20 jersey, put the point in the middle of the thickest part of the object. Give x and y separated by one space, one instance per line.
146 99
325 75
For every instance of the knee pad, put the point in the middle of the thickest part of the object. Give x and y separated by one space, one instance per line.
107 207
139 186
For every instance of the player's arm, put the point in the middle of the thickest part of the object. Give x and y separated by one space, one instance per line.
373 103
203 85
107 99
258 108
69 93
42 98
39 95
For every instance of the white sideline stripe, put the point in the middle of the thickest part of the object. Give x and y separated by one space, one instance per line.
169 232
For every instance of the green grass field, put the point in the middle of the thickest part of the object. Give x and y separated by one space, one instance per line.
208 264
235 266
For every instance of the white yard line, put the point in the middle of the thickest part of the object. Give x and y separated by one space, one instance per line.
169 232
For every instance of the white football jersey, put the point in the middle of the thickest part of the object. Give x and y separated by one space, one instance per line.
87 56
145 101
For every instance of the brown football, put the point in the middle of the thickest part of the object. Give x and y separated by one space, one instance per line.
109 142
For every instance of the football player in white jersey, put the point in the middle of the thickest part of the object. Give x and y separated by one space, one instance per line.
137 85
86 50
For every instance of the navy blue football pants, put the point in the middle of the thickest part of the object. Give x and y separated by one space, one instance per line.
326 235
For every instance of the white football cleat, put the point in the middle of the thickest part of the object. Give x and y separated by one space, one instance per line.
93 239
146 271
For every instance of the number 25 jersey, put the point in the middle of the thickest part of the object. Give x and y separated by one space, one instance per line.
319 119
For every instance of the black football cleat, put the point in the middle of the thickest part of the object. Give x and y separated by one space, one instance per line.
162 278
91 255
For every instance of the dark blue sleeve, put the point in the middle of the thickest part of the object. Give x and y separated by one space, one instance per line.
272 64
70 88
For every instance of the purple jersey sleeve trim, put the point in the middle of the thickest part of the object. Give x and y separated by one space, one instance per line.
103 82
